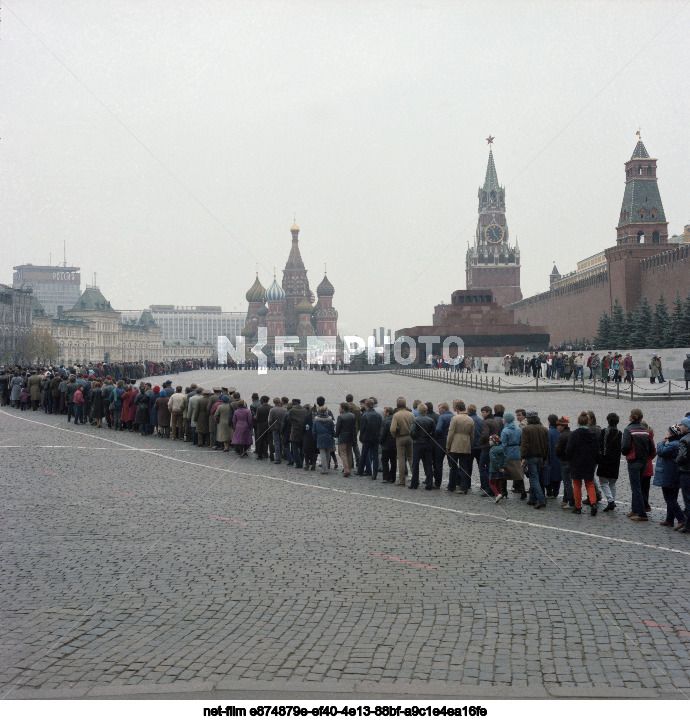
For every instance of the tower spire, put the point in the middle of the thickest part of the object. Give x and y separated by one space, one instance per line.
491 178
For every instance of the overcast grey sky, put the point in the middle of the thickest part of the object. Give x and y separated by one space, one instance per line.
170 143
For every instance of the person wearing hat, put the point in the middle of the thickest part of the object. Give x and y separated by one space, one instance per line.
655 369
202 412
511 437
192 401
563 428
667 475
497 467
609 459
534 452
223 417
683 464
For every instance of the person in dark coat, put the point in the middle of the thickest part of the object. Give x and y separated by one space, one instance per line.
261 432
637 447
202 413
560 453
295 421
609 459
422 432
686 368
345 432
309 448
388 447
323 430
163 412
582 452
142 416
554 475
369 431
97 403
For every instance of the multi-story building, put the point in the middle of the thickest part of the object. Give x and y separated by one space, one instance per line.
52 285
201 323
15 321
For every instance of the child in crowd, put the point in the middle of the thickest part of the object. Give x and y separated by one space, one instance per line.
497 466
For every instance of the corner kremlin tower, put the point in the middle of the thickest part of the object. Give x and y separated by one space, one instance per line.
290 309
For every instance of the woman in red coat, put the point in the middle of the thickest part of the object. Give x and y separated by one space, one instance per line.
127 407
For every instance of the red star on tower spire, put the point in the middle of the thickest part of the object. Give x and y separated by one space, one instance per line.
490 139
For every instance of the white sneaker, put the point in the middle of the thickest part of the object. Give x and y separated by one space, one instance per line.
499 498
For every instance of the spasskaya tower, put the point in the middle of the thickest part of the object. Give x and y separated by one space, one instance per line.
492 262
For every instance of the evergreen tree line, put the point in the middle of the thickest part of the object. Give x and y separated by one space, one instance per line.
645 327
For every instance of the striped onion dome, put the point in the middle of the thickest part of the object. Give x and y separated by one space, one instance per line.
274 292
256 293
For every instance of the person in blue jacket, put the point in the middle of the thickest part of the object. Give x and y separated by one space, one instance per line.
323 430
667 476
511 436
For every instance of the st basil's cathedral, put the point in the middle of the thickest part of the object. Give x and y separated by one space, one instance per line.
290 310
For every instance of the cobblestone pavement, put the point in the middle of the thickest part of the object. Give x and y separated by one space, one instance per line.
138 564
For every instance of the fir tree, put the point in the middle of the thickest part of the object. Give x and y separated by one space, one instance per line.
662 333
683 337
629 330
618 329
642 335
676 322
603 337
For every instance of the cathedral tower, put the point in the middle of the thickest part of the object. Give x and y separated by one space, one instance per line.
642 218
295 283
491 262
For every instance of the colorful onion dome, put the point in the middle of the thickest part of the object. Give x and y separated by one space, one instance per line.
256 293
325 287
274 292
304 306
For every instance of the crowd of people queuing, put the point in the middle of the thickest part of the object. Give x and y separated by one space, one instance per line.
541 462
560 365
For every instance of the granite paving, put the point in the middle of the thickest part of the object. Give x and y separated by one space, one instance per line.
139 562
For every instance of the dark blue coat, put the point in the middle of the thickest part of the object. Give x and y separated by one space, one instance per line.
554 462
323 429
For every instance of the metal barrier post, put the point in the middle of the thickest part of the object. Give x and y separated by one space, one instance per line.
618 389
499 384
632 393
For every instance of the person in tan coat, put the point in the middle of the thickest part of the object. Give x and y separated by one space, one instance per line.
223 416
176 405
459 446
400 430
34 385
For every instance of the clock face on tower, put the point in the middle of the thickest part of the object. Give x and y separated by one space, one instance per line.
493 233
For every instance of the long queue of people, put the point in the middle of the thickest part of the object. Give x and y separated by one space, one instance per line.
400 443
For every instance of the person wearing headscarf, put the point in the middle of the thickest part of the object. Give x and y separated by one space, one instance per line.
223 417
242 423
